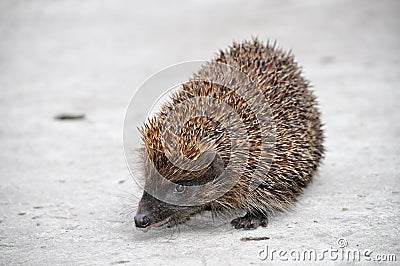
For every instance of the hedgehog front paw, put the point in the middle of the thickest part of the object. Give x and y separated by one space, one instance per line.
248 222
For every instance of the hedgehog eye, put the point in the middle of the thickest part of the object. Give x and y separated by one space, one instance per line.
179 188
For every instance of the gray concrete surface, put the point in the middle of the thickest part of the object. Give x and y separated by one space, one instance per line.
64 184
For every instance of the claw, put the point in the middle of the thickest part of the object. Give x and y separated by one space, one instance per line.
248 222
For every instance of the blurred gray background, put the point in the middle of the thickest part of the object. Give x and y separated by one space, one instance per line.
64 184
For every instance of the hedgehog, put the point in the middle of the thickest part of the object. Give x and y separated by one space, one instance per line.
243 134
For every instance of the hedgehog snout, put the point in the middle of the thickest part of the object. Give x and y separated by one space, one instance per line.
145 212
142 220
152 212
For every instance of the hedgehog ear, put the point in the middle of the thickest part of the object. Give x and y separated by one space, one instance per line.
217 165
213 162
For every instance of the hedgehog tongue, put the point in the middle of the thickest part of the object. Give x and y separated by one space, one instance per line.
161 223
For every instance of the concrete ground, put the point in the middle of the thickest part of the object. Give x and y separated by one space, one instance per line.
65 191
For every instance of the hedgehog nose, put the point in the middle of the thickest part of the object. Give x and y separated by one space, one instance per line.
142 221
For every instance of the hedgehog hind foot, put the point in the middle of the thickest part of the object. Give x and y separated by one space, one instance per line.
249 221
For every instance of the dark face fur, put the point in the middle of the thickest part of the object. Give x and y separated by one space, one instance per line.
153 212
